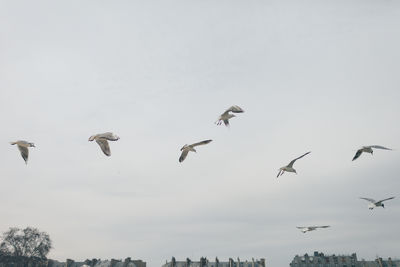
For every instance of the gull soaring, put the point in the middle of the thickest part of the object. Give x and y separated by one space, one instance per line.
373 204
306 229
224 117
186 148
23 148
368 149
289 167
101 139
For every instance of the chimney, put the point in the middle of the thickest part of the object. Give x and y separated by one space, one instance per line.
69 263
230 262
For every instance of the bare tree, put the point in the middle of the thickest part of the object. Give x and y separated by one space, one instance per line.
28 242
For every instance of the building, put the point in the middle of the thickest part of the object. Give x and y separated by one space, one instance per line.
204 262
321 260
379 262
128 262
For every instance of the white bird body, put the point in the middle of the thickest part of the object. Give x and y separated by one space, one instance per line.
101 140
23 148
289 167
306 229
189 148
186 148
373 204
224 117
368 149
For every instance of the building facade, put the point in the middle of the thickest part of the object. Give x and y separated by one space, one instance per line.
379 262
204 262
320 260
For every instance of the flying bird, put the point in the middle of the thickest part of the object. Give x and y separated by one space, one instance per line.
373 204
289 167
23 148
306 229
368 149
224 117
186 148
101 139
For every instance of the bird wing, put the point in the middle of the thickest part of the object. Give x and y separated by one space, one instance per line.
301 227
322 226
226 122
24 152
183 155
380 147
380 201
368 199
109 136
103 143
201 143
292 162
358 154
234 109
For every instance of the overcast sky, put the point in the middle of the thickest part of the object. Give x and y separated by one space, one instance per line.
320 76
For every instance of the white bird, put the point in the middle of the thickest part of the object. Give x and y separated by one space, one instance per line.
101 139
306 229
224 117
186 148
289 167
23 148
368 149
373 204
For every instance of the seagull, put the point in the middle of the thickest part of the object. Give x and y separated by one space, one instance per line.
23 148
368 149
306 229
101 139
289 167
226 115
186 148
373 204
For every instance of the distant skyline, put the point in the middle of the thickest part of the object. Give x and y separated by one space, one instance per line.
310 75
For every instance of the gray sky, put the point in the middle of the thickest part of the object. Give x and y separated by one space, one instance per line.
311 75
